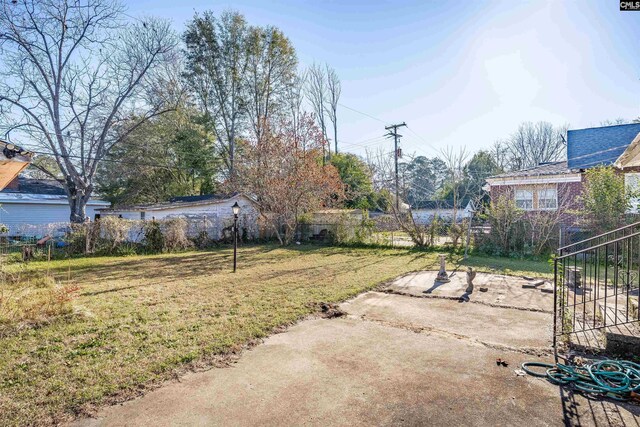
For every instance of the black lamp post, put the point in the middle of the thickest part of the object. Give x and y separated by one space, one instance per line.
236 210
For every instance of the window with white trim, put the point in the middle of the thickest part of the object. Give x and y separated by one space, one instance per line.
524 199
547 199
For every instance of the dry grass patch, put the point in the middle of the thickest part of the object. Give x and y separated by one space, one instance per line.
29 300
147 318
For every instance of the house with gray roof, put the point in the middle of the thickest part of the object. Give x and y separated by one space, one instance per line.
31 206
556 186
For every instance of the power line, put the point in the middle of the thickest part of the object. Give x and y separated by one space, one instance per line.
363 140
367 143
360 112
106 159
423 140
379 156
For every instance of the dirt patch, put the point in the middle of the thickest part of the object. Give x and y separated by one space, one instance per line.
329 311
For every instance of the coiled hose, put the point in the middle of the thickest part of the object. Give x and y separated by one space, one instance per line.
616 379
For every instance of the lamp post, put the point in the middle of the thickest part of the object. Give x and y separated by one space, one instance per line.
236 210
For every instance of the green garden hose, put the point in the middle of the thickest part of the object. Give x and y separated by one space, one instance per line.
617 379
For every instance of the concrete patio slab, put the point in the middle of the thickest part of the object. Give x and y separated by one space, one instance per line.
503 291
392 360
489 325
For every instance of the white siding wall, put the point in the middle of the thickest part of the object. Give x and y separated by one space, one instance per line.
425 216
18 215
219 213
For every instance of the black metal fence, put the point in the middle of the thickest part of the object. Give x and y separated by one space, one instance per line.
596 285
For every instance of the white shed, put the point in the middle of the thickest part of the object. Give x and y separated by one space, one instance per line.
32 206
425 212
216 209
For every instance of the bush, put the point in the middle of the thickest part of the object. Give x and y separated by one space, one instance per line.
605 199
515 232
507 228
76 239
175 235
153 237
203 240
457 231
114 232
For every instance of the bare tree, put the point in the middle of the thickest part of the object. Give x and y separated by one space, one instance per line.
458 188
334 88
217 57
382 167
295 98
73 76
500 153
318 94
535 143
270 74
455 162
617 121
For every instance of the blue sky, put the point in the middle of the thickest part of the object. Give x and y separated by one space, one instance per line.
459 73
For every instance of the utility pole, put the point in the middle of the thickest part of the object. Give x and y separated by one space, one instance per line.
396 152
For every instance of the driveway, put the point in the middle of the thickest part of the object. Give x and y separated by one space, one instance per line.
398 357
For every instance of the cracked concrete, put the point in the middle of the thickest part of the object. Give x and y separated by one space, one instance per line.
392 360
503 291
505 328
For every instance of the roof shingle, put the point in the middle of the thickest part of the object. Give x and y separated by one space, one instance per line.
553 168
591 147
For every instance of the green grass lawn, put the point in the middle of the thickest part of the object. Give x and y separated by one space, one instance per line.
140 320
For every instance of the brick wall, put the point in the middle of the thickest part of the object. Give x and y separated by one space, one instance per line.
568 198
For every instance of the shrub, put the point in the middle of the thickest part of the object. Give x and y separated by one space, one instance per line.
202 240
605 199
507 232
457 231
114 233
175 235
153 237
76 239
515 232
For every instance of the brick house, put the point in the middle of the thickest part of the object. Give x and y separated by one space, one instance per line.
554 188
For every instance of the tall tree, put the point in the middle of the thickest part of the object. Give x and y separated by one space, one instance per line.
71 73
356 176
287 180
481 166
500 153
176 159
334 89
422 177
318 94
295 99
217 60
270 75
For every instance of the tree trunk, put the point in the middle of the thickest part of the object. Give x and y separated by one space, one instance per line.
77 206
78 198
335 133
